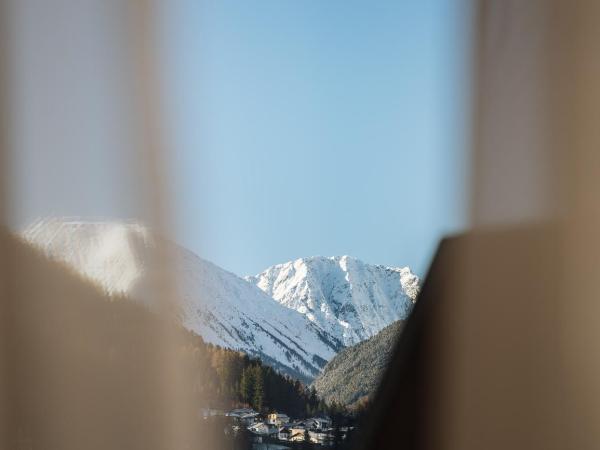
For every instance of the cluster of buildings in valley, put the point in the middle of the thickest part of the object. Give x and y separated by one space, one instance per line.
279 426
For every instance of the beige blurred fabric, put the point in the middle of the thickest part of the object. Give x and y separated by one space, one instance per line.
517 346
80 79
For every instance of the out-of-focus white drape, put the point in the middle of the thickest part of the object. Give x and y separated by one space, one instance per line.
81 134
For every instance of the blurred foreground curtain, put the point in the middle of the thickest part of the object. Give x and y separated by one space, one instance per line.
522 363
80 126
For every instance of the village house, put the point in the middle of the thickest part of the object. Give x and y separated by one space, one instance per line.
318 423
263 429
297 432
240 412
246 416
250 418
284 434
321 423
321 437
278 419
292 433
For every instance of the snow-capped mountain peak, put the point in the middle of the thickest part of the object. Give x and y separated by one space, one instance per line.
342 295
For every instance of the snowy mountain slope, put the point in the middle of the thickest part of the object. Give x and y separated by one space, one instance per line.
343 296
221 307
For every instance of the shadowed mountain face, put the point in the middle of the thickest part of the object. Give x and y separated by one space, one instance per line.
355 372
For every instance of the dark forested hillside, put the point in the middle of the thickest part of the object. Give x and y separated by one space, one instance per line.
232 379
354 373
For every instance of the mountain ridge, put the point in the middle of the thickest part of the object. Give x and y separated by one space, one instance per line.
341 294
122 257
125 257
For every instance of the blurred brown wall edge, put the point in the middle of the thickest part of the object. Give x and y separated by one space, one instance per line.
502 349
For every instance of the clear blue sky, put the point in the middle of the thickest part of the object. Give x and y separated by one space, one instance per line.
316 127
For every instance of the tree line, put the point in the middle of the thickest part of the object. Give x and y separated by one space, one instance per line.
233 379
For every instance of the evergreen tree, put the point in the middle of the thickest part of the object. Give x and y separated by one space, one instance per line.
313 402
246 385
258 391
